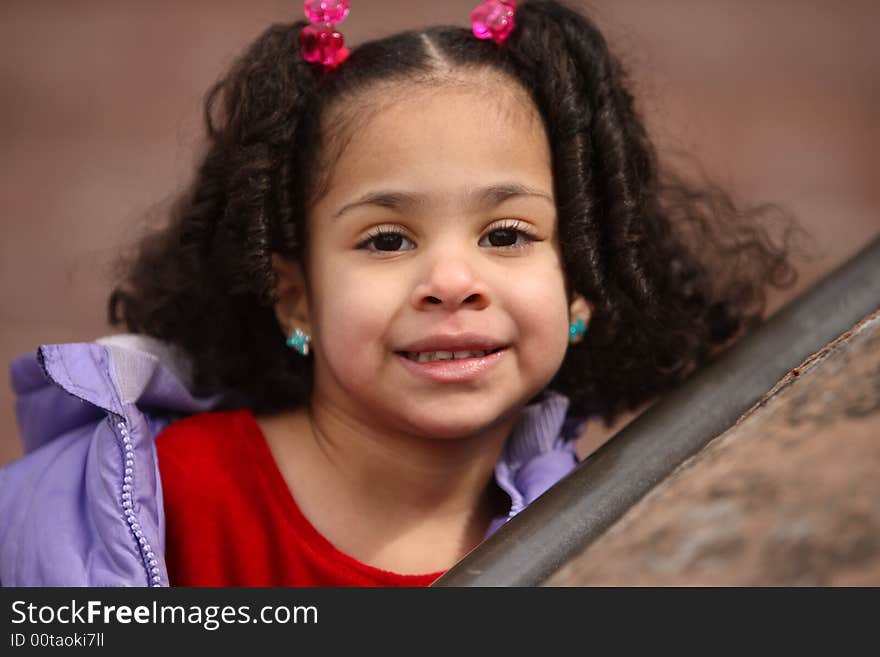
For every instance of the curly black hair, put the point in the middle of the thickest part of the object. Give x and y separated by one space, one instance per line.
674 270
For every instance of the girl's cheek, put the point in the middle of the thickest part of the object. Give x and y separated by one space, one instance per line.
544 310
355 307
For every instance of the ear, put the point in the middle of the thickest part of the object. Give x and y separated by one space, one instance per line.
292 306
579 313
580 308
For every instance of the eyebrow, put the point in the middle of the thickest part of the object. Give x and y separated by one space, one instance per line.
482 197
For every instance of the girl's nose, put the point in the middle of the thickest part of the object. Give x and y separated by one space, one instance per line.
451 283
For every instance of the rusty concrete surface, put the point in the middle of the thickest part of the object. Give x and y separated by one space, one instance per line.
789 496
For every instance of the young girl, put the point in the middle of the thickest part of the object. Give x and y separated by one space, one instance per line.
402 281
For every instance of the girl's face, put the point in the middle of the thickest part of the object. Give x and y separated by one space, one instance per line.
437 232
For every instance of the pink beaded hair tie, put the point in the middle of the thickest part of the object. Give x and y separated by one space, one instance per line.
321 42
493 19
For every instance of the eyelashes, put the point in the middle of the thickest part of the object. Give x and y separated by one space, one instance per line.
509 235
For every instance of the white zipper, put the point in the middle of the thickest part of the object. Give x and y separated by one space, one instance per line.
148 557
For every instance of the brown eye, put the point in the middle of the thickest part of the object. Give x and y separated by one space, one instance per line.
503 237
387 241
507 238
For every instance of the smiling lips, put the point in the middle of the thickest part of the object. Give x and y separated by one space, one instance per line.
452 358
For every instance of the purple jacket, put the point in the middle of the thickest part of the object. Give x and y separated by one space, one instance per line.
83 507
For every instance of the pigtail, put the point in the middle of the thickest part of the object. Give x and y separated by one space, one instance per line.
265 116
211 266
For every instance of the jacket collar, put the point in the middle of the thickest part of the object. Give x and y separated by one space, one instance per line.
64 386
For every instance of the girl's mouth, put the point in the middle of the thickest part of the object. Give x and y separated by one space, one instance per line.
433 356
449 366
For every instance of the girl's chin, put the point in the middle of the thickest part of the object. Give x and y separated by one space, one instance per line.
452 424
446 432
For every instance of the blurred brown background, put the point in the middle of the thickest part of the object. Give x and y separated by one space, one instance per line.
100 116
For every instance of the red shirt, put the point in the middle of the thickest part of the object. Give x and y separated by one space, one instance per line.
232 521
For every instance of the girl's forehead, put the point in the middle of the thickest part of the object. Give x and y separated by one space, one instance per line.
499 92
437 137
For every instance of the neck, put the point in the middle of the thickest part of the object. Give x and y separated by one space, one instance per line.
419 476
383 496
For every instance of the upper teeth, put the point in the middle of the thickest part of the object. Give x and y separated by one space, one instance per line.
427 356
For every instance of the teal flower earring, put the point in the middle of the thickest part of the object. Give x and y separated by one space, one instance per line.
576 330
299 340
